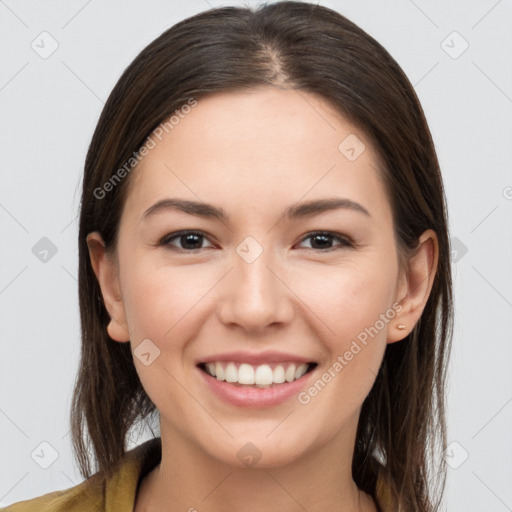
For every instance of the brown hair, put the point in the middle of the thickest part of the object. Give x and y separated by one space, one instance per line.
306 47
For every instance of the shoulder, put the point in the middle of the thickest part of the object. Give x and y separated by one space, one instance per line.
86 496
384 497
95 494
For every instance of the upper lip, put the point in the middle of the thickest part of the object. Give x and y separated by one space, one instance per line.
255 358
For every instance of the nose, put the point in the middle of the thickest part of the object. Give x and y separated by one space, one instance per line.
255 295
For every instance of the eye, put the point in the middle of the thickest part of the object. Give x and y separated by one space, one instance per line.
324 239
191 240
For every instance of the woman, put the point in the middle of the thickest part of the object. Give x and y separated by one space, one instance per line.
264 264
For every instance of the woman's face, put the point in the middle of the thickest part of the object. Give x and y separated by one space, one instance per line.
257 282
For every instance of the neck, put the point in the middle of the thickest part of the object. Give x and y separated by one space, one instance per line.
188 479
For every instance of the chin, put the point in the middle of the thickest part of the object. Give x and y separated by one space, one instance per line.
259 453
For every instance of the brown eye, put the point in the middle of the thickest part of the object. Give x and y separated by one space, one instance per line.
190 241
322 240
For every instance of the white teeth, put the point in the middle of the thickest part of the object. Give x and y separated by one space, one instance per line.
219 372
300 371
245 374
211 368
289 375
262 375
231 373
278 374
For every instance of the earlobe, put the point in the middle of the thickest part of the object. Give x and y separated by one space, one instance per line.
117 331
419 280
106 272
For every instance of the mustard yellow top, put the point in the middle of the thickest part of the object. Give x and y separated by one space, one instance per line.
116 495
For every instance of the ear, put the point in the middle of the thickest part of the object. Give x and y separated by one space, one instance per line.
415 285
106 270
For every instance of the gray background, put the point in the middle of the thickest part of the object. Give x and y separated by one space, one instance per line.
49 110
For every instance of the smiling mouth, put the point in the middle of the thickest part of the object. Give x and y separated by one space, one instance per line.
259 376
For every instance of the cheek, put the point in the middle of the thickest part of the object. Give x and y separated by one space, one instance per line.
352 308
164 305
348 299
161 302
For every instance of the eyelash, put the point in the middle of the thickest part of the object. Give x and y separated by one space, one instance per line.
345 241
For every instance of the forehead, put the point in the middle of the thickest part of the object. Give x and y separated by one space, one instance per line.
259 148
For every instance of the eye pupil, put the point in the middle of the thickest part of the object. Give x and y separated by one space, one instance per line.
325 240
191 238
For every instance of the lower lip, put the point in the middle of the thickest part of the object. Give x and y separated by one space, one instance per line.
252 396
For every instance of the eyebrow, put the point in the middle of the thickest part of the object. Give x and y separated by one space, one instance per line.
295 211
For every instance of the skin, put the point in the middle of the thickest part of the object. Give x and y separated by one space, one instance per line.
254 153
